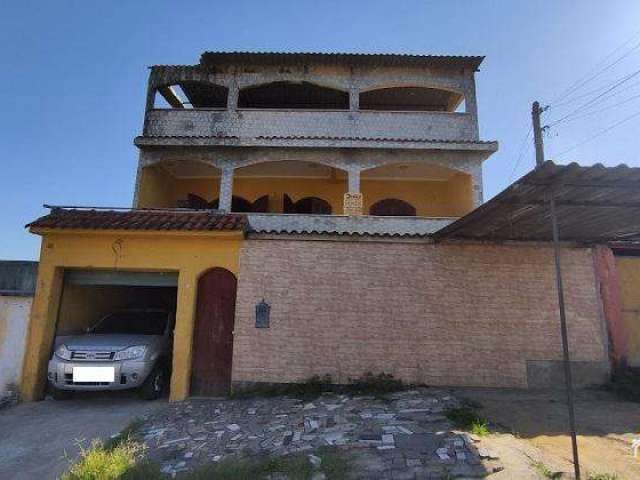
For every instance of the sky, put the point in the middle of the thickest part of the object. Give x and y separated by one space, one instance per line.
73 79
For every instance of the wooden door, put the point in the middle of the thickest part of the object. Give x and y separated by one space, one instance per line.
213 333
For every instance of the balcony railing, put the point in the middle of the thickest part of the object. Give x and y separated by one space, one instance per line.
250 123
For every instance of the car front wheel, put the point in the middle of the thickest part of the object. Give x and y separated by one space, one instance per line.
153 386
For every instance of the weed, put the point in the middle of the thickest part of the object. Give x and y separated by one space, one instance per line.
308 390
602 476
480 428
125 435
545 471
294 467
465 418
100 463
370 384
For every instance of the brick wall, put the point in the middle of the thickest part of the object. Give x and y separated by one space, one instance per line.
434 314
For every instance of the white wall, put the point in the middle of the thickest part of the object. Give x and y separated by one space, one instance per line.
14 319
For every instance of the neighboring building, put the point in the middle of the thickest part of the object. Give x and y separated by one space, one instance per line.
17 287
285 205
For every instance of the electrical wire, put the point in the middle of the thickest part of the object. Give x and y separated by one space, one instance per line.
583 81
522 152
598 134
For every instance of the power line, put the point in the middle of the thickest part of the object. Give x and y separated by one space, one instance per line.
608 107
581 82
598 134
590 102
522 150
591 92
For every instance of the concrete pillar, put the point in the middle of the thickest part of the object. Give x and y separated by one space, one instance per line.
226 188
352 203
183 336
42 328
354 180
470 102
354 99
232 97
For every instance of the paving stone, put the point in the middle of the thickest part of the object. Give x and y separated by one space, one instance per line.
381 440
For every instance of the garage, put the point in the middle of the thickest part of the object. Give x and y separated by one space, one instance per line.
114 331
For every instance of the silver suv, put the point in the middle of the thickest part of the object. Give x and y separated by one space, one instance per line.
126 349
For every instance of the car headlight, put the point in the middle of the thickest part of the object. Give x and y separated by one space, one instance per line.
131 353
63 352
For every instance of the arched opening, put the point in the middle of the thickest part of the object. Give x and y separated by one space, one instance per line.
293 95
410 99
392 207
238 205
192 94
308 205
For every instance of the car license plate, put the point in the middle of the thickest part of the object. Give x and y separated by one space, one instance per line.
94 374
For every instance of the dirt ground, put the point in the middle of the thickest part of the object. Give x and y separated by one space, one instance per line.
532 428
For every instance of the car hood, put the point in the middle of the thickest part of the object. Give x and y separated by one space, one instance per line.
105 342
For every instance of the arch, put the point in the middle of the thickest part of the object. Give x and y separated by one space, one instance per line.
213 333
293 95
392 207
410 99
194 94
310 205
238 204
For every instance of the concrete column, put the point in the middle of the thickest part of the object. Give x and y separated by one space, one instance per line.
226 188
470 102
42 328
354 99
232 97
183 336
352 203
354 180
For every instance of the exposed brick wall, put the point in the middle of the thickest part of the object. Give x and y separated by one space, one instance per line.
434 314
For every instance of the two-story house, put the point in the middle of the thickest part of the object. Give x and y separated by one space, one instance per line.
284 206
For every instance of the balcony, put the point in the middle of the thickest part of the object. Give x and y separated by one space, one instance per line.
253 123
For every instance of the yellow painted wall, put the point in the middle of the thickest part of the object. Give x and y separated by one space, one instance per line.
154 189
450 198
629 280
188 253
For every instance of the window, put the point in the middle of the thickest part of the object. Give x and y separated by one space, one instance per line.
308 205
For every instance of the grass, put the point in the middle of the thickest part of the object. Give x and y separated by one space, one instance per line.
124 460
465 418
100 463
602 476
545 471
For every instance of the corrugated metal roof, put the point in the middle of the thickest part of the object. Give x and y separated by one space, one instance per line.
139 219
593 204
279 58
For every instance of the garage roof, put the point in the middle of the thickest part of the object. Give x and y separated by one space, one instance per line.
139 219
593 204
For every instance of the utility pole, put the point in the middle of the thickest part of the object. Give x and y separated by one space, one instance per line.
537 132
537 139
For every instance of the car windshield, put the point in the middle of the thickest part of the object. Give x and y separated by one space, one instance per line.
133 323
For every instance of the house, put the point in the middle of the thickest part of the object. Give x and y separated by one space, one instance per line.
17 287
287 205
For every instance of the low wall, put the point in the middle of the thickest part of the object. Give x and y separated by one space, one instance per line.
476 315
14 320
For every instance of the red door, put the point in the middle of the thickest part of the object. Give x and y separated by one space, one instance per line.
213 334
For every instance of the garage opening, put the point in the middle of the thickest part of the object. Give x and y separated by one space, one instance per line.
114 331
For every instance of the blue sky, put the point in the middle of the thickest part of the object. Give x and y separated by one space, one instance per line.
73 79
